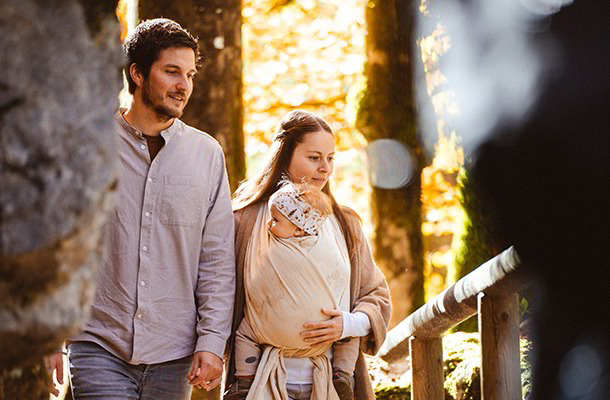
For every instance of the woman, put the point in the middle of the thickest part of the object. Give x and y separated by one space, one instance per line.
303 150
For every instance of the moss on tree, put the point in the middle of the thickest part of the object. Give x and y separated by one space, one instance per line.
385 109
478 240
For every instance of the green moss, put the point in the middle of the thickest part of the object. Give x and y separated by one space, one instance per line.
477 240
462 360
526 368
462 368
393 392
464 382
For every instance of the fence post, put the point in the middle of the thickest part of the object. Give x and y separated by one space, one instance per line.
500 353
427 378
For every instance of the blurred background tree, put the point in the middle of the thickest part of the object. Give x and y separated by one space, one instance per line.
216 104
386 110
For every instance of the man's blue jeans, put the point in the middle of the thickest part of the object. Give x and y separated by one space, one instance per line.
97 374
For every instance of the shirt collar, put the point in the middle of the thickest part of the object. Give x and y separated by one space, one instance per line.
167 134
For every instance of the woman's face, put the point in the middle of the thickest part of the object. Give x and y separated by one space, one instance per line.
312 160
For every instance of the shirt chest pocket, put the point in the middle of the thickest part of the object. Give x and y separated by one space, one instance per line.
183 200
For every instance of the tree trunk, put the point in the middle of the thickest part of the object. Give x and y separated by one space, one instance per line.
387 111
216 103
58 95
479 241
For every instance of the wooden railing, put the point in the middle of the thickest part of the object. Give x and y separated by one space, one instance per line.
491 290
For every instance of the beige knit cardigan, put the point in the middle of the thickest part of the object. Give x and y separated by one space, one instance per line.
368 293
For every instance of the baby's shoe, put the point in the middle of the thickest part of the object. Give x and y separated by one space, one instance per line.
238 389
344 384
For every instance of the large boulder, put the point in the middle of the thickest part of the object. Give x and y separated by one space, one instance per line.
58 93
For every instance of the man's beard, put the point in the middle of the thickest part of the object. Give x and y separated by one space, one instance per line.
162 112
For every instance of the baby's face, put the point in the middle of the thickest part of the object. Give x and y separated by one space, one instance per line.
281 226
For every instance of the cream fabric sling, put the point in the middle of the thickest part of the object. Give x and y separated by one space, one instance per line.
284 289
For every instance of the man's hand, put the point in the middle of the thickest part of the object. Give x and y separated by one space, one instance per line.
206 370
55 362
324 331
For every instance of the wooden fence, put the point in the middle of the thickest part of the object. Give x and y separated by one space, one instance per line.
491 290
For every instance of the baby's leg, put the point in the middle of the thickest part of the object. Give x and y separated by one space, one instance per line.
345 355
247 351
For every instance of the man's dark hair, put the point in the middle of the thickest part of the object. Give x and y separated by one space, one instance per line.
149 38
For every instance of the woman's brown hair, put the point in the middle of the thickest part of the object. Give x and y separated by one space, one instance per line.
291 131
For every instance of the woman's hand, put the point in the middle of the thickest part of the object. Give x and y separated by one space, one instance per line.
322 332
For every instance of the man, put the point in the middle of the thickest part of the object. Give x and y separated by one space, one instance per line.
162 310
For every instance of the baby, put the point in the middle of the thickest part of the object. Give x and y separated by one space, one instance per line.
298 212
284 209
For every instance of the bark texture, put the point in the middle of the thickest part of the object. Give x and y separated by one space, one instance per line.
215 106
58 94
386 110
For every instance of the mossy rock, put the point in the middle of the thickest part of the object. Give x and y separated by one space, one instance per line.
462 369
462 361
393 392
464 382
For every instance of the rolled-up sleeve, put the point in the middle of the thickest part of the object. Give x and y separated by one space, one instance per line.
216 276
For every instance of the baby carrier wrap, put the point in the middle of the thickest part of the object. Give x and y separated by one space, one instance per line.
285 289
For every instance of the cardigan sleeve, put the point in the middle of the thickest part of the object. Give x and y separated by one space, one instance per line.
237 218
373 295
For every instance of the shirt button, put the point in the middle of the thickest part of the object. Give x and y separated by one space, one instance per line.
144 248
149 179
143 283
139 316
147 214
142 146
